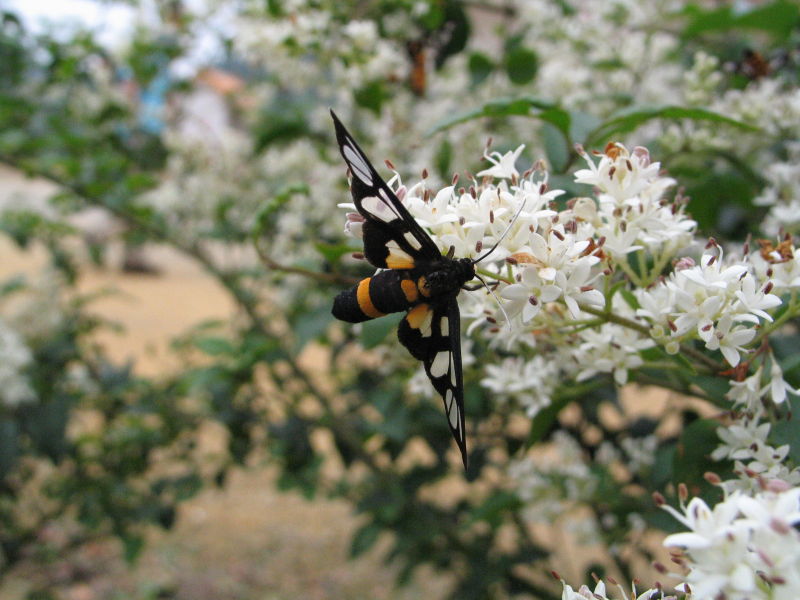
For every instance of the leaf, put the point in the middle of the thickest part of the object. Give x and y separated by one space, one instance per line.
9 446
629 119
544 419
494 509
311 325
502 107
521 65
443 159
215 346
133 545
45 425
333 252
776 17
693 457
371 96
555 146
480 67
363 539
375 331
787 431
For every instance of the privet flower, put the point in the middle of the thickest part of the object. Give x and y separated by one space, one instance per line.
15 357
744 548
600 593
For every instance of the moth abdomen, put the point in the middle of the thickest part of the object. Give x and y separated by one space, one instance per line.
387 292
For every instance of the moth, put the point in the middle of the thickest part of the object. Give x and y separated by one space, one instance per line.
417 278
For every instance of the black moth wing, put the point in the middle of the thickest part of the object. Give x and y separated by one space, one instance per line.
432 333
389 228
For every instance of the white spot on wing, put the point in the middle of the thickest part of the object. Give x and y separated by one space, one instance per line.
412 239
444 325
396 251
378 208
452 411
425 328
452 373
440 364
357 164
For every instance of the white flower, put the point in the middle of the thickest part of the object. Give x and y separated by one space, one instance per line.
502 164
740 441
15 357
747 394
742 543
753 301
610 349
727 339
778 386
620 174
530 294
528 382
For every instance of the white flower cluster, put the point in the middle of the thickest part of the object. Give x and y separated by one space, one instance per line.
32 315
554 260
782 194
637 67
746 440
745 548
554 482
306 35
720 302
768 105
599 593
554 269
511 377
15 357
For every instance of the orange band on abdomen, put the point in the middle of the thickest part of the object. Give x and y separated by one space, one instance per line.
409 289
364 300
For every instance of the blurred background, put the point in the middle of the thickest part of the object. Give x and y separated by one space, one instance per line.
180 417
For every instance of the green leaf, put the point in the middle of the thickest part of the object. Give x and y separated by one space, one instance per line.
787 431
480 67
215 346
715 387
364 539
776 17
494 509
631 118
45 424
443 158
374 332
311 326
521 65
502 107
371 96
544 419
9 445
333 252
133 546
692 457
555 146
629 298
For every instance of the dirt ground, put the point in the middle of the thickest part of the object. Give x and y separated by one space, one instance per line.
246 541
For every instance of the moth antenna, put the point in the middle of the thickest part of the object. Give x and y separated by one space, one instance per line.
451 252
503 235
499 304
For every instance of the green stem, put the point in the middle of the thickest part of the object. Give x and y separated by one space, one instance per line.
494 276
710 364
